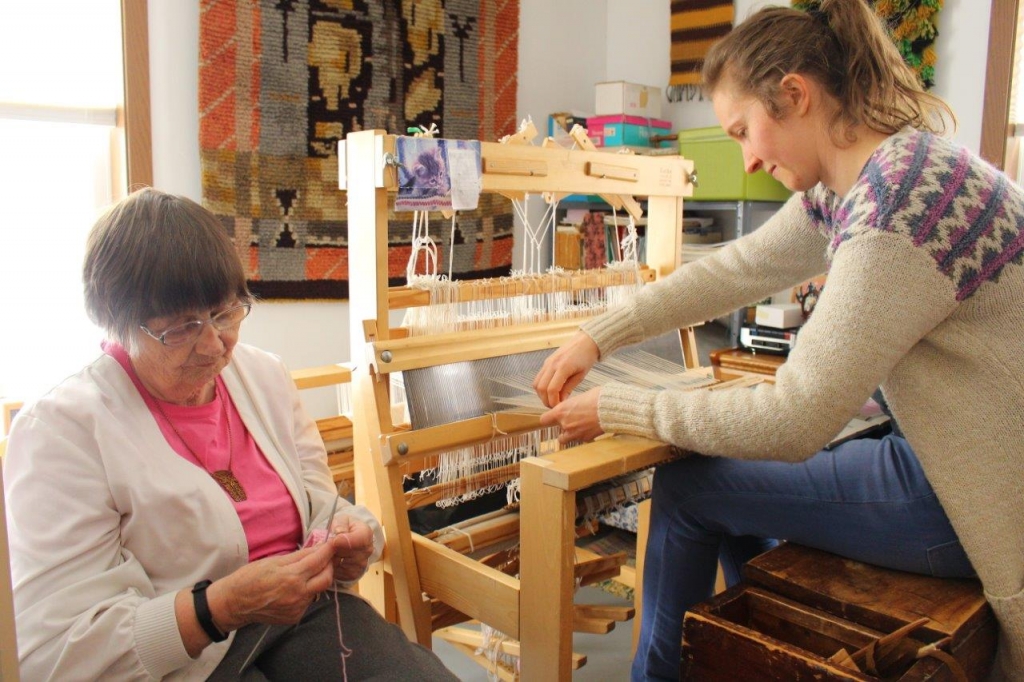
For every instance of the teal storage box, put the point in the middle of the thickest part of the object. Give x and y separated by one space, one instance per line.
718 161
615 131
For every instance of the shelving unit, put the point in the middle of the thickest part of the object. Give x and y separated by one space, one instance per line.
747 213
736 218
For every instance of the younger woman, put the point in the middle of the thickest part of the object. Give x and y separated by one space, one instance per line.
924 251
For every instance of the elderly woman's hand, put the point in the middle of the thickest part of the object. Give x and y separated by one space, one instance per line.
565 369
273 590
577 417
353 544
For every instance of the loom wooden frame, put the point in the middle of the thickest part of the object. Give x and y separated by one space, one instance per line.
336 431
537 608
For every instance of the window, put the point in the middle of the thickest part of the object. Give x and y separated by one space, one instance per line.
61 164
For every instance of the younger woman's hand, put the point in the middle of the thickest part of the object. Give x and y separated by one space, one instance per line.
577 417
565 369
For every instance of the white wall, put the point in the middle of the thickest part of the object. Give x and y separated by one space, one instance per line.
562 51
564 48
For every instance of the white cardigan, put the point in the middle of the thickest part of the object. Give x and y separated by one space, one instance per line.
107 522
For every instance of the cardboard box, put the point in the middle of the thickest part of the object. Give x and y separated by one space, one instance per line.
779 315
718 161
632 99
608 131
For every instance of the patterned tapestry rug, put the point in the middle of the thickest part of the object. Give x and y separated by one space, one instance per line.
913 27
281 81
696 25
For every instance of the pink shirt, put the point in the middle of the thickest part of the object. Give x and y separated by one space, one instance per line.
268 514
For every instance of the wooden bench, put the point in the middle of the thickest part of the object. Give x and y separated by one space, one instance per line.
804 614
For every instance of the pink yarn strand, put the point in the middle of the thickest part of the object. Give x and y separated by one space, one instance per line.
345 651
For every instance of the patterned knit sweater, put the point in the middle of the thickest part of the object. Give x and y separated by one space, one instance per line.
925 297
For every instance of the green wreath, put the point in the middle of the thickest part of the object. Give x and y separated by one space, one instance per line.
912 25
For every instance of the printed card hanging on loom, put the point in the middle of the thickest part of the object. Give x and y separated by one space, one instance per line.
438 174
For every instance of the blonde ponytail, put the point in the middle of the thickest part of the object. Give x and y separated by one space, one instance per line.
845 48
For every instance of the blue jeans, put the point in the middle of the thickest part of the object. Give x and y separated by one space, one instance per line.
866 500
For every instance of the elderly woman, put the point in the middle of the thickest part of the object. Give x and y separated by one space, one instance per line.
161 502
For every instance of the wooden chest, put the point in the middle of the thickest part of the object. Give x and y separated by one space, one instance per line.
800 614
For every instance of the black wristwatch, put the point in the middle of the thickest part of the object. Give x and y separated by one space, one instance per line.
203 611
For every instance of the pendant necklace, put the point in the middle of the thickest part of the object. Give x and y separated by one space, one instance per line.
224 477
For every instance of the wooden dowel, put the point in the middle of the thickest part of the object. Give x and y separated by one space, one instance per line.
601 564
478 537
482 540
619 613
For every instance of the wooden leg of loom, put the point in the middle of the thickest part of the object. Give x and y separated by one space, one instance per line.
547 539
402 592
372 585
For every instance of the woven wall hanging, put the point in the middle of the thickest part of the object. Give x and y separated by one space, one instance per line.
696 25
913 27
280 81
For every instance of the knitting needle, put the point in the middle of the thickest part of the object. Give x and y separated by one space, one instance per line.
330 518
327 531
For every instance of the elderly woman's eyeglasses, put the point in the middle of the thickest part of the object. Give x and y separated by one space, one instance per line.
188 332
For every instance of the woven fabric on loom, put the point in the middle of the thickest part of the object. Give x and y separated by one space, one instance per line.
696 25
607 541
281 81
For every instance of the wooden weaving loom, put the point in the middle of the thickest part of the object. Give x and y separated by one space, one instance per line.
428 585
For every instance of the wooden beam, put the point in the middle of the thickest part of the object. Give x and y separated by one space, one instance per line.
416 352
546 573
326 375
585 465
484 593
8 638
415 445
137 119
996 109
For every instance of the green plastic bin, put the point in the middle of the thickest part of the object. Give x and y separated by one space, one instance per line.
718 161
